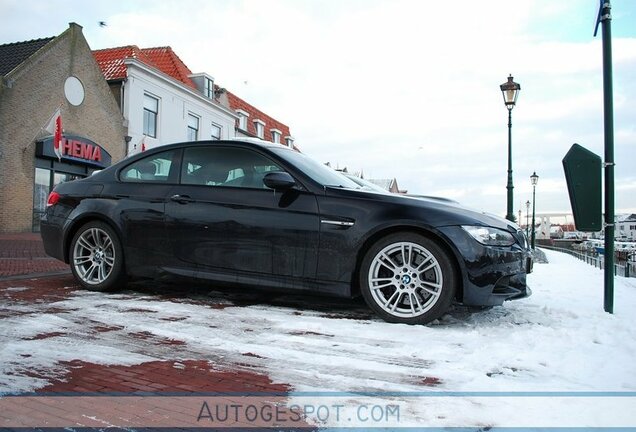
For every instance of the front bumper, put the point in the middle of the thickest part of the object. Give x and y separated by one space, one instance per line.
490 274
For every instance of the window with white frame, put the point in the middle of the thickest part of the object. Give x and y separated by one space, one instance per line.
215 131
242 120
208 89
276 135
259 126
151 115
289 141
193 127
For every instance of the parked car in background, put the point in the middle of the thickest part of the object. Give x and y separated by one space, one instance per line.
556 232
572 235
260 214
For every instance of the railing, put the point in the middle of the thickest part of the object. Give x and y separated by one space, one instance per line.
627 269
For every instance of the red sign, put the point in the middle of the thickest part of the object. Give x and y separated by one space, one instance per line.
74 149
82 150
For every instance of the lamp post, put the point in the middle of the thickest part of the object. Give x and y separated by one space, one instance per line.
534 179
527 216
510 91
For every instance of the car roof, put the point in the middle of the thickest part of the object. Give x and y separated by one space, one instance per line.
250 142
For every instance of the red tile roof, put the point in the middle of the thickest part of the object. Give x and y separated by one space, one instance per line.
237 103
111 61
169 62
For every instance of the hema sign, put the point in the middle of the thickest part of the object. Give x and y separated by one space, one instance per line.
77 149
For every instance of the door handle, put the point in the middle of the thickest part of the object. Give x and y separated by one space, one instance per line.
181 199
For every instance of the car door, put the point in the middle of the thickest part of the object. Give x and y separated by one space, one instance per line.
140 196
221 217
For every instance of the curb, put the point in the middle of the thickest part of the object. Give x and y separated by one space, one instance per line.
35 275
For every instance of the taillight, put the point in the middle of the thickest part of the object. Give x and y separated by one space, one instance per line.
54 197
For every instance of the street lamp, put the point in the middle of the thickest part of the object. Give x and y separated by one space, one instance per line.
527 216
510 91
534 179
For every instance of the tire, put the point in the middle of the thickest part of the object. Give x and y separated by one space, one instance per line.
415 290
97 258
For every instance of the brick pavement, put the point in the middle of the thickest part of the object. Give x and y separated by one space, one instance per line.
23 254
76 379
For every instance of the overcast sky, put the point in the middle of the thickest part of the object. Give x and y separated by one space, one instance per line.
398 88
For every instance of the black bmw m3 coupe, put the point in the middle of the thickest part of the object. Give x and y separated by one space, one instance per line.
249 213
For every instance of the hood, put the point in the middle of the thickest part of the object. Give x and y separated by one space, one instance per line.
438 212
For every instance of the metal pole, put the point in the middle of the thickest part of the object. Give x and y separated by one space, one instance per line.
608 111
527 219
534 188
509 212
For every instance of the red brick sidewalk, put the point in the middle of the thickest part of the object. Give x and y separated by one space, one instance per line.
122 395
186 384
23 254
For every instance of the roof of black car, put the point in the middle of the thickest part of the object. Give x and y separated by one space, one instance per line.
249 141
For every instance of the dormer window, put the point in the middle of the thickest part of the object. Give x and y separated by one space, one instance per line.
276 135
289 141
242 120
204 84
208 88
259 126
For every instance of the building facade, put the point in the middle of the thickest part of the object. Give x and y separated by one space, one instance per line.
626 227
164 102
161 100
37 78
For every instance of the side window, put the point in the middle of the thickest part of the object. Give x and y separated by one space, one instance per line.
152 169
229 167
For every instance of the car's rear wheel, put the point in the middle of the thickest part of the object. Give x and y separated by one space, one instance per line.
97 258
408 278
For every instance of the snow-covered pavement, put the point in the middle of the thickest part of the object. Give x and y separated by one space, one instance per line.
558 340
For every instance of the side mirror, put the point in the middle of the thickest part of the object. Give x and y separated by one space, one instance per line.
279 180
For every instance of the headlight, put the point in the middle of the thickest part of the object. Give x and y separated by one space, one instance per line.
490 236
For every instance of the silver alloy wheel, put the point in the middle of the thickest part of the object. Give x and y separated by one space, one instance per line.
405 279
94 256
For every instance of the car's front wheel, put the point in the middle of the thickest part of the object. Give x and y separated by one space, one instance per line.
97 258
407 278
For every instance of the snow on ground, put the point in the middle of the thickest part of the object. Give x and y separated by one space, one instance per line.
558 340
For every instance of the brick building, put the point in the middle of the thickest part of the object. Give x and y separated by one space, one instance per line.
37 77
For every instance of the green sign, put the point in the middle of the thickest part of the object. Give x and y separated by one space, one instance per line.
583 175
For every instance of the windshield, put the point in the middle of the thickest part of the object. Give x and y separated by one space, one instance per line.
319 172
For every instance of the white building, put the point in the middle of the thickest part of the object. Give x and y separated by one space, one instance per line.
161 100
626 228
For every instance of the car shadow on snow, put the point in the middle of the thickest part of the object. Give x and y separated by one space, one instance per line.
219 297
